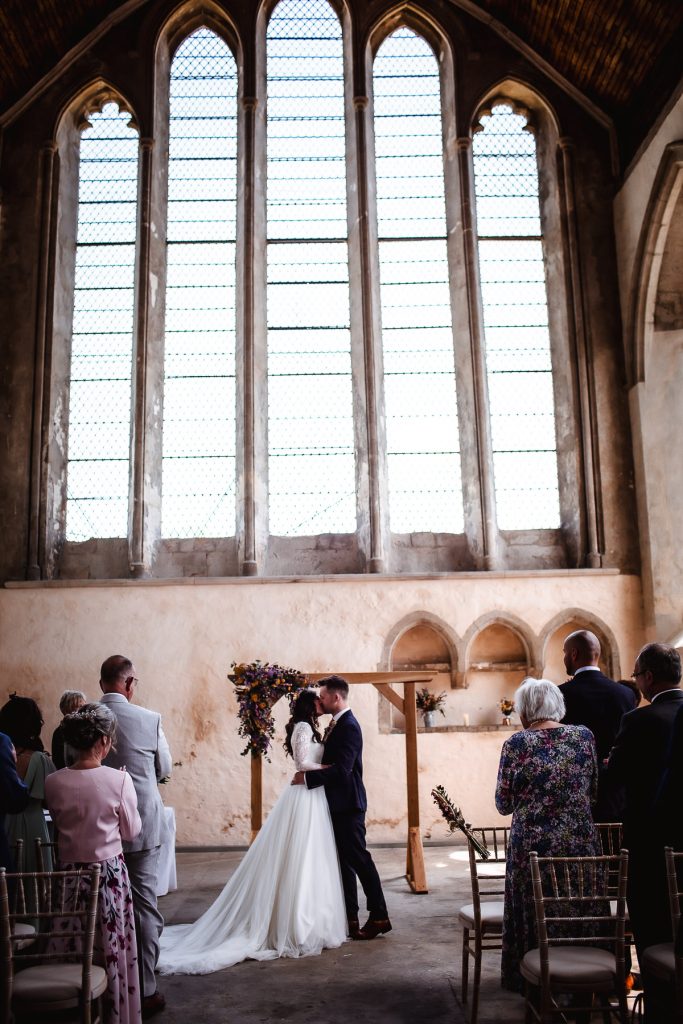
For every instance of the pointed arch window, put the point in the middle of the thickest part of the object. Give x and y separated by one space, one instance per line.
515 303
99 424
423 445
311 461
198 465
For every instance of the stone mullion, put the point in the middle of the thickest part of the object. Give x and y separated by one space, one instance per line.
246 327
145 477
586 381
38 544
372 341
482 424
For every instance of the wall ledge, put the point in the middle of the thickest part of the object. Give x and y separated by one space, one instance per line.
250 581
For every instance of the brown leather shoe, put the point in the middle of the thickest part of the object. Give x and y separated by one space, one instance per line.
354 927
371 929
153 1004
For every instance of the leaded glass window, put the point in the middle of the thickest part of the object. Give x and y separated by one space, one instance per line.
198 472
311 466
102 337
519 370
423 447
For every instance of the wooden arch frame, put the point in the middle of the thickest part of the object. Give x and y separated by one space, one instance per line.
415 868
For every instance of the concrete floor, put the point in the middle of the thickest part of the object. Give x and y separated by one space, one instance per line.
411 975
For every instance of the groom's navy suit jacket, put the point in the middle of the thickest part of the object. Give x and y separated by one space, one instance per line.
343 780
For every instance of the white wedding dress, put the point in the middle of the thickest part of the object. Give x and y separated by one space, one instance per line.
284 899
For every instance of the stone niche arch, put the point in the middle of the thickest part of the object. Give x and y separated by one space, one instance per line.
552 638
419 642
500 650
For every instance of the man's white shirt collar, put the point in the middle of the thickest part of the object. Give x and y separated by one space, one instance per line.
587 668
674 689
335 718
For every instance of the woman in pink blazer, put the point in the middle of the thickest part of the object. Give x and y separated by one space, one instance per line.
94 808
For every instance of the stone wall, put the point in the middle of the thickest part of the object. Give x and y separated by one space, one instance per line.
648 217
184 635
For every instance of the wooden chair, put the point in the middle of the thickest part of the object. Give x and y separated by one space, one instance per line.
57 973
23 932
581 946
664 961
46 855
610 833
482 919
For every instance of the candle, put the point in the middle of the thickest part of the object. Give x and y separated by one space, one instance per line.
465 719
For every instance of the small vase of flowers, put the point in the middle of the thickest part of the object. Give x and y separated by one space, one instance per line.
507 707
428 704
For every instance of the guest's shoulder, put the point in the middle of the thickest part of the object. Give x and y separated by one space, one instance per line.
520 740
124 709
579 733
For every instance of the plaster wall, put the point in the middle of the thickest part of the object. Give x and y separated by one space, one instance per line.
630 202
660 488
183 636
656 417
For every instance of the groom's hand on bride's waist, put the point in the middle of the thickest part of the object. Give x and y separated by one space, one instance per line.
299 779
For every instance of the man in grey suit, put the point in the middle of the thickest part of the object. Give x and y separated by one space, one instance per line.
141 749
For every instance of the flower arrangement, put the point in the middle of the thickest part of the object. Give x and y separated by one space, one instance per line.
259 686
427 701
506 706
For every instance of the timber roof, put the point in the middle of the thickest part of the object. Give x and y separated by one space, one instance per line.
624 56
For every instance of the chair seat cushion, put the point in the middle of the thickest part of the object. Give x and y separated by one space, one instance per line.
23 935
576 967
491 916
55 985
659 960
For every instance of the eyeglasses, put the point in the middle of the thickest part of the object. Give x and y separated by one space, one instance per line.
634 675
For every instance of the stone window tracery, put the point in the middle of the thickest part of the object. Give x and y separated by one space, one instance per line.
310 390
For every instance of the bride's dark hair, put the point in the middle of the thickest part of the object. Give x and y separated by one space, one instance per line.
303 710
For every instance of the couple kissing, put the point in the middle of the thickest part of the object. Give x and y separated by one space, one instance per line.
295 891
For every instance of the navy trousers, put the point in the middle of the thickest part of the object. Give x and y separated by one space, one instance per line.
355 862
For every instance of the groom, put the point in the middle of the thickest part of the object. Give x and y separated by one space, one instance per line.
343 781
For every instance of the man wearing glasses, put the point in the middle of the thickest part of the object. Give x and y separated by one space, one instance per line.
141 748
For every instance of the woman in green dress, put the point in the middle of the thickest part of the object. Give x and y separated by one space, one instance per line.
21 720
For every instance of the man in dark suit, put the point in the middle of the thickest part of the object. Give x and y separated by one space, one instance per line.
594 700
343 781
638 760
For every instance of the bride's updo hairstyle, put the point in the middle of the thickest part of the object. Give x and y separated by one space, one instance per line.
84 727
303 710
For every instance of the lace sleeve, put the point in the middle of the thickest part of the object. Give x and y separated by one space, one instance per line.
301 742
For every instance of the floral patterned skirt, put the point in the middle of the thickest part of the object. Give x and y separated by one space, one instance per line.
115 947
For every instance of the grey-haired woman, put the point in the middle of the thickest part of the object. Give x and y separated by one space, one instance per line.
547 780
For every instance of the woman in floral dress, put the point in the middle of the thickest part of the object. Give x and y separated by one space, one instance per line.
94 808
547 780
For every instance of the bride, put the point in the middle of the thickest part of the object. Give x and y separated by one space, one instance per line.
285 898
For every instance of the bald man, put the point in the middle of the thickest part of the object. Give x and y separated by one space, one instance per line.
594 700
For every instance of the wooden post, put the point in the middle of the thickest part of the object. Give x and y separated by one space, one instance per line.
415 867
256 795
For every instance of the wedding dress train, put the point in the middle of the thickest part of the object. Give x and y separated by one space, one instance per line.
284 899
